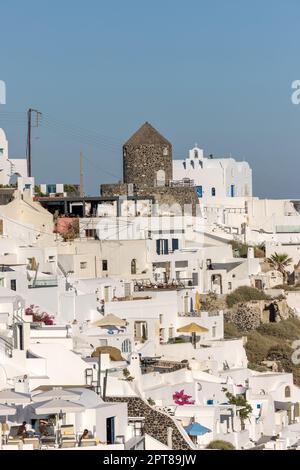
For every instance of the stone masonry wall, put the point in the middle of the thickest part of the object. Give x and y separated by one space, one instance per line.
141 163
156 423
163 195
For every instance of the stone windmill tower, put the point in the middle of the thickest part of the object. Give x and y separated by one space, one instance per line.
147 158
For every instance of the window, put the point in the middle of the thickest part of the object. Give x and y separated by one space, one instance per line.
195 279
186 304
106 293
287 392
214 331
196 153
133 266
1 151
126 346
232 190
213 191
165 151
199 191
51 188
127 289
90 233
51 259
13 284
104 265
229 285
2 282
161 317
162 247
83 265
175 244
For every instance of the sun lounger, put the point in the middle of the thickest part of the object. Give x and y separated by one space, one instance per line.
48 440
32 440
88 442
68 443
67 432
15 443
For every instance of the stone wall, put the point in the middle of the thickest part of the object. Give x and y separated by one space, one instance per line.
142 162
248 316
156 423
162 195
114 189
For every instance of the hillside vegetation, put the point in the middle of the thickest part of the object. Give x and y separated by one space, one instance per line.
272 342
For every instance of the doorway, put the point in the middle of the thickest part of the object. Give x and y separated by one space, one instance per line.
110 430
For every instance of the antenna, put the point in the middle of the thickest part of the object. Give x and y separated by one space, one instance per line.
30 125
81 176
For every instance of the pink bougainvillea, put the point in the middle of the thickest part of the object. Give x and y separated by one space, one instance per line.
38 316
180 398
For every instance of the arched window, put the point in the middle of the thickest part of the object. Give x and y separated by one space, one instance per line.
287 392
213 191
126 346
133 266
195 153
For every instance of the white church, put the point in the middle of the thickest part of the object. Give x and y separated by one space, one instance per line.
214 177
12 171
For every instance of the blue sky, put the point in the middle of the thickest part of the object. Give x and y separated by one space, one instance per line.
214 72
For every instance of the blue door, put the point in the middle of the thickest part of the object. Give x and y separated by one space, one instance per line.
199 191
232 190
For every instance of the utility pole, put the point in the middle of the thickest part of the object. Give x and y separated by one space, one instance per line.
81 176
30 125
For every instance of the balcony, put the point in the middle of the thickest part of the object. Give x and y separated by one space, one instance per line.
52 282
186 183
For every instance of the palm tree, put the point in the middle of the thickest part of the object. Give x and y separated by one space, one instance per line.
280 261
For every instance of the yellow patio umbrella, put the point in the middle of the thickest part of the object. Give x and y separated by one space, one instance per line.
110 320
193 328
197 302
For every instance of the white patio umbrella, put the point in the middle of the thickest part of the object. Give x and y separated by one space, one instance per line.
57 406
55 394
7 410
12 397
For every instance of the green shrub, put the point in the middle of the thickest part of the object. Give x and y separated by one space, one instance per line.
231 331
245 294
258 346
286 329
220 445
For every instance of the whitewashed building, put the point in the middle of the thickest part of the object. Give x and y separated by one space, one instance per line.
214 177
